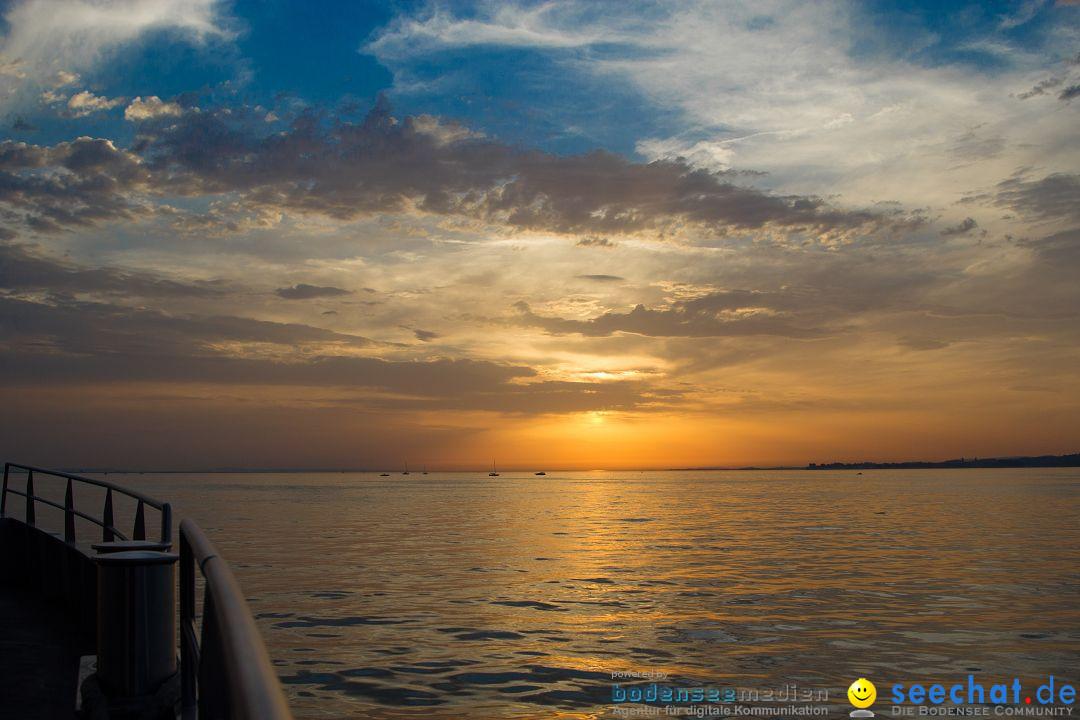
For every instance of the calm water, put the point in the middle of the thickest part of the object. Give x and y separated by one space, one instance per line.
454 595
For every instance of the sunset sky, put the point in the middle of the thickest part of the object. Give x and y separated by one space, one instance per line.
560 235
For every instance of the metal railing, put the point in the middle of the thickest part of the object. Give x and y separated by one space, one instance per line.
228 674
109 532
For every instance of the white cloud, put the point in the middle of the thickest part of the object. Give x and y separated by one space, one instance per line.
1026 12
704 153
84 103
443 133
12 69
151 107
550 25
51 97
51 40
63 78
778 86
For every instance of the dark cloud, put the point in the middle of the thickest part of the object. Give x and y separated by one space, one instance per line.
425 335
22 270
306 292
593 241
1041 87
1069 93
961 228
89 181
713 316
923 343
1059 259
72 327
1055 196
972 146
345 170
828 294
81 344
602 278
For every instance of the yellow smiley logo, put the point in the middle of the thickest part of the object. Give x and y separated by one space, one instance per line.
862 693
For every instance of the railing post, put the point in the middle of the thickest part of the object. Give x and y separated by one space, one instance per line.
166 523
69 516
3 496
30 497
139 532
107 518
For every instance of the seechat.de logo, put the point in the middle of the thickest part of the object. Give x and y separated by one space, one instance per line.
862 695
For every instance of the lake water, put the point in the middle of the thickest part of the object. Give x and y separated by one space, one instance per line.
458 595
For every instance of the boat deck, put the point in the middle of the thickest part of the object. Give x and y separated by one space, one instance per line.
39 658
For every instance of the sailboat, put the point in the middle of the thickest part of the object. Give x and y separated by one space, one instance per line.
493 473
406 468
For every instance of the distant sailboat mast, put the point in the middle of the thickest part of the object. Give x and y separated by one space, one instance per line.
493 473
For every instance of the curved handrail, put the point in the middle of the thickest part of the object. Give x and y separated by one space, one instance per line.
227 674
73 511
152 502
108 531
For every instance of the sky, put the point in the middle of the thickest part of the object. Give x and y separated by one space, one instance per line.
545 234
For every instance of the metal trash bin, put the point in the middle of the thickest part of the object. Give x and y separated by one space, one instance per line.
115 546
136 627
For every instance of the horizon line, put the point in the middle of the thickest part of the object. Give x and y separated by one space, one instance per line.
713 468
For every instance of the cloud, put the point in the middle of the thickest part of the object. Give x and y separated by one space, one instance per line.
542 26
962 228
712 316
12 69
602 278
796 294
89 181
63 77
973 147
22 270
833 99
1069 93
48 40
1041 87
125 336
79 343
1024 13
442 132
1055 196
425 335
346 170
51 97
304 291
593 241
84 103
150 108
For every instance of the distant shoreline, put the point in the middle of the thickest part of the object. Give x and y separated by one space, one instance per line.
1034 461
1030 461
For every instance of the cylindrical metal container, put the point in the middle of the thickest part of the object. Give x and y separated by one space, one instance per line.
136 625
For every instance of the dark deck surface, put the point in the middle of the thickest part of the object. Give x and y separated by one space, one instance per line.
39 658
